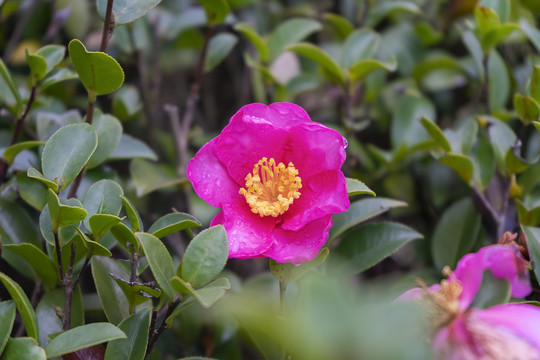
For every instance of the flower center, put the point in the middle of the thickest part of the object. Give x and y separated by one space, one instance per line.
271 188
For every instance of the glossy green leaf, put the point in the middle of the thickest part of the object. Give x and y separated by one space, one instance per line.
341 25
207 295
186 304
532 234
494 37
527 108
82 337
99 73
109 133
35 174
356 187
369 244
25 348
461 164
16 226
24 307
100 224
66 152
535 83
322 58
149 177
160 262
435 62
43 266
360 45
382 9
493 291
92 247
4 72
502 138
487 19
205 256
125 235
532 33
216 10
484 161
38 66
48 320
13 150
53 55
126 11
172 223
218 48
257 41
56 76
103 197
360 211
365 67
456 233
126 102
136 293
527 217
136 328
113 300
290 32
406 126
63 215
32 191
65 234
499 82
437 134
427 33
130 148
7 317
133 215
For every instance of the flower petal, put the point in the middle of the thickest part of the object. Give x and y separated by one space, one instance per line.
323 194
314 148
299 246
249 234
210 178
503 260
282 114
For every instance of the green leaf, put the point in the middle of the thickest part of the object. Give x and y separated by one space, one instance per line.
406 126
286 273
527 217
100 224
463 165
369 244
484 161
527 108
66 152
180 307
502 138
136 328
205 256
56 76
125 235
65 234
216 10
356 187
172 223
365 67
487 19
382 9
126 102
82 337
456 233
4 72
113 300
13 150
149 177
53 55
109 133
126 11
207 295
535 83
160 262
136 293
437 134
99 73
499 82
494 37
130 148
16 226
218 48
63 215
532 235
360 211
24 307
92 247
32 191
360 45
133 215
493 291
427 33
341 25
35 174
257 41
322 58
38 67
25 348
7 317
103 197
289 32
43 266
532 33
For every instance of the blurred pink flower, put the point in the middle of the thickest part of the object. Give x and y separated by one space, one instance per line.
276 175
506 331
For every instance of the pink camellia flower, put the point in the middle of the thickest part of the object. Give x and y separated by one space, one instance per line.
276 175
506 331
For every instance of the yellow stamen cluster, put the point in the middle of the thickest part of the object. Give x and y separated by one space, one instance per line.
271 188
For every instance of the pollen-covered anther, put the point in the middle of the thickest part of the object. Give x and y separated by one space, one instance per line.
271 188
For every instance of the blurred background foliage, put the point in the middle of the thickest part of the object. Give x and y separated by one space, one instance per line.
437 100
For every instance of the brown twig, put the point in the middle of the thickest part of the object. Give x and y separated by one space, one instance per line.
68 289
108 26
